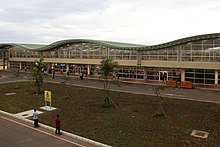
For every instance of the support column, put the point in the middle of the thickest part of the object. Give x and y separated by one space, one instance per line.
88 69
216 77
139 58
48 67
8 64
145 73
67 67
3 63
81 51
182 75
20 67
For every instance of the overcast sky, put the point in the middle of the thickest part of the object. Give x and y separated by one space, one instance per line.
133 21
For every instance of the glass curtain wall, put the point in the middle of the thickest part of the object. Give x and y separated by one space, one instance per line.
14 65
21 53
117 54
198 51
218 77
24 65
76 69
93 51
131 72
201 51
153 73
200 76
166 54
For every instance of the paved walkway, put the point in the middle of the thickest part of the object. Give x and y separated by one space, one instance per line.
205 95
15 132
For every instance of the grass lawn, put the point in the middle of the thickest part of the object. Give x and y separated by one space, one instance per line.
130 125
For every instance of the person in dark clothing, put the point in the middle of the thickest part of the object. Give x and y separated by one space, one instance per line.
57 121
81 76
53 73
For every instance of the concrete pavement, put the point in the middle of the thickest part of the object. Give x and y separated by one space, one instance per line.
15 132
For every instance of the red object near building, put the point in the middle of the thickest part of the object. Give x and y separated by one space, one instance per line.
186 84
171 83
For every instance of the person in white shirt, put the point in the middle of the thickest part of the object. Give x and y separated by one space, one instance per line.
35 117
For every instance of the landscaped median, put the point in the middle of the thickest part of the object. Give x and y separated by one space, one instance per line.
82 113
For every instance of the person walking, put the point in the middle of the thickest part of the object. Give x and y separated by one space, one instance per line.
57 121
35 117
53 73
81 76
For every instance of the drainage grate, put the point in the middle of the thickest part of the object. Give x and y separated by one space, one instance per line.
200 134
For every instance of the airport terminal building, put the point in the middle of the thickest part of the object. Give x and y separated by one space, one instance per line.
195 59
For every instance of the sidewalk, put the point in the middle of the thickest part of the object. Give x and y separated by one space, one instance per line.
67 137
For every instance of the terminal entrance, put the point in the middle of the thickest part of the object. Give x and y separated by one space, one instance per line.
3 64
163 76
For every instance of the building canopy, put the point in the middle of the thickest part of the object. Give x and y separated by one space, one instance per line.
115 45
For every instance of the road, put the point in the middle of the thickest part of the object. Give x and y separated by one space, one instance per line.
17 133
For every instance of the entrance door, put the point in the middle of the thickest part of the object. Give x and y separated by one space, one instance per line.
163 76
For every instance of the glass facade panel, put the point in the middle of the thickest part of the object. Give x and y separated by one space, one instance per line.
200 76
15 65
154 73
219 77
131 72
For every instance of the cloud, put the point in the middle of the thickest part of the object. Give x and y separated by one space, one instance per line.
140 21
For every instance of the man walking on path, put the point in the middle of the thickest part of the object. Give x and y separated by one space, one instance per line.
35 117
81 76
57 125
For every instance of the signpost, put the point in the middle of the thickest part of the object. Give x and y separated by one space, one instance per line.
47 97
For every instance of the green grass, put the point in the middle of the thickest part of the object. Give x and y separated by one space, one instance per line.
130 125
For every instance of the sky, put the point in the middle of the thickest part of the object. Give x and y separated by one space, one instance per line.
146 22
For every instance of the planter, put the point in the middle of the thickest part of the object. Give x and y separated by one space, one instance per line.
186 84
171 83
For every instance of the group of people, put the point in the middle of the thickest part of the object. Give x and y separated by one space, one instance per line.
57 122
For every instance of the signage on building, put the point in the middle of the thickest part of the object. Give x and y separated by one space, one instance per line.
62 64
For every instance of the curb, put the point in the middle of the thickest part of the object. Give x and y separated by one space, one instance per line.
92 142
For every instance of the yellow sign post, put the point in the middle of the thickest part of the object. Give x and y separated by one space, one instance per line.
47 97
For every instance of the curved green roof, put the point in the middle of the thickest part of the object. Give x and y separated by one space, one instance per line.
115 45
23 46
183 41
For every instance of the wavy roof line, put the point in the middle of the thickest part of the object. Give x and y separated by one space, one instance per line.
115 45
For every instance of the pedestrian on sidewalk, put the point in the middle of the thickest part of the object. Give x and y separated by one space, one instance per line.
57 121
81 76
35 117
53 73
